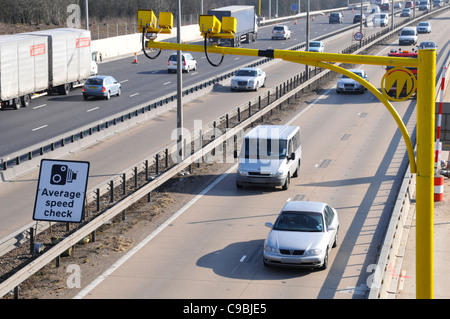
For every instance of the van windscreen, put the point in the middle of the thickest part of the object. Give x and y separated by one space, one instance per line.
265 148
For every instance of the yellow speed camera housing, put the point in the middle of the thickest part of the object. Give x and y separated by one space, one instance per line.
147 19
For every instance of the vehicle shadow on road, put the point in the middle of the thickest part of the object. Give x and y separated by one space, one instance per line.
244 260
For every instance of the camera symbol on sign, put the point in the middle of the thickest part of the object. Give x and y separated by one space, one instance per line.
62 174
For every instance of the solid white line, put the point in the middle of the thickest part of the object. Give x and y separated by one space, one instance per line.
93 109
134 94
122 260
38 128
39 106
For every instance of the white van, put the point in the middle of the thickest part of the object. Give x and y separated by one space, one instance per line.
408 35
270 155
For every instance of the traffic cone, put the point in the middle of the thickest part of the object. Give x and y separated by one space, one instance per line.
295 22
135 59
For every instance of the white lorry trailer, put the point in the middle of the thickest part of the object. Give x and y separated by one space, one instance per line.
246 27
41 62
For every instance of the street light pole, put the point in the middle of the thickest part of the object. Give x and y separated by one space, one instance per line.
179 90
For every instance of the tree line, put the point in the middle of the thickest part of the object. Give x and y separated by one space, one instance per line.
56 12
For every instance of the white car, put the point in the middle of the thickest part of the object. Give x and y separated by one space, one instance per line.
302 235
424 27
248 79
281 32
316 46
346 84
381 20
188 63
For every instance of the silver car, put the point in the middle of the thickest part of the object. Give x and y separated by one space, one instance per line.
424 27
302 235
188 63
346 84
316 46
101 86
248 79
281 32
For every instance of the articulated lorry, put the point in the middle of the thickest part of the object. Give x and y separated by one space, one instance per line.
247 23
42 62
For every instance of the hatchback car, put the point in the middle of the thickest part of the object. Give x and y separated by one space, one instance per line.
188 63
316 46
346 84
248 79
101 86
424 27
357 18
406 12
281 32
336 17
302 235
380 20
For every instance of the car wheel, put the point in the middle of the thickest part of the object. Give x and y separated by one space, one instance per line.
287 182
296 171
108 95
335 243
325 262
264 83
85 97
119 91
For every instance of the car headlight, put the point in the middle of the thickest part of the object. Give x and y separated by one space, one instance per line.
271 250
340 85
278 173
242 172
314 252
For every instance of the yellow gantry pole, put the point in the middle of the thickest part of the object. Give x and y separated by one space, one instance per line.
426 72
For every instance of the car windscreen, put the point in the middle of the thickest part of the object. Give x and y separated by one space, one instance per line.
314 44
407 32
357 73
265 148
299 221
246 73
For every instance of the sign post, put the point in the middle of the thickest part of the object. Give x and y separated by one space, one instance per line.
61 191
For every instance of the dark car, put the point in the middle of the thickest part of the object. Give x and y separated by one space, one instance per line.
357 18
336 17
101 86
385 6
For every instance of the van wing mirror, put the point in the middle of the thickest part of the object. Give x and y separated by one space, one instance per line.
235 154
292 156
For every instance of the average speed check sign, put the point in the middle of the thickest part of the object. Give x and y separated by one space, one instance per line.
358 36
61 191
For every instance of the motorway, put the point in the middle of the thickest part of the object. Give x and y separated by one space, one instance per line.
50 116
347 162
354 159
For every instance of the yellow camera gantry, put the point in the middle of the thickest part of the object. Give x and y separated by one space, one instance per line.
423 166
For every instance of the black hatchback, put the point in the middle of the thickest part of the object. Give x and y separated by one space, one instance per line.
336 17
357 18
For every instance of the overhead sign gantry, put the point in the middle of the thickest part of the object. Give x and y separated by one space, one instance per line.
422 165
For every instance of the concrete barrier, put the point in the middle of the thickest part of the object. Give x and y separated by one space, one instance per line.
122 45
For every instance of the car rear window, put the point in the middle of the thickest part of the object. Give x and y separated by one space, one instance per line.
94 81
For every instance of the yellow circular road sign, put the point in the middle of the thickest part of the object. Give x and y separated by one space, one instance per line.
398 84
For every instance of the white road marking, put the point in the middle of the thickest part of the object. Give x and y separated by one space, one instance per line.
127 256
93 109
39 106
243 258
123 81
40 127
134 94
167 83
